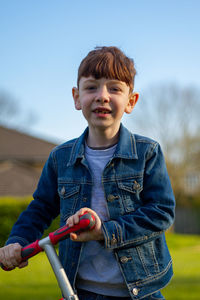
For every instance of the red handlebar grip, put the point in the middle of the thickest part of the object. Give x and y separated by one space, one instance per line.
27 252
86 222
30 250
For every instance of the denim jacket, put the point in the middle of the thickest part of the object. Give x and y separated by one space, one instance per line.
140 204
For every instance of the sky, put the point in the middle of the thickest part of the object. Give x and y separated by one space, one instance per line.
42 43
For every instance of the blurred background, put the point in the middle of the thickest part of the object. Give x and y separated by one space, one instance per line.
41 46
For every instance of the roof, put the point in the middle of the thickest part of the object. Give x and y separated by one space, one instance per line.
15 145
18 179
21 160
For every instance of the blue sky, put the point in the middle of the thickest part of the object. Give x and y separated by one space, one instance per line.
43 41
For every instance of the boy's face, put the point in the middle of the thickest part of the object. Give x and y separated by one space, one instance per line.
103 101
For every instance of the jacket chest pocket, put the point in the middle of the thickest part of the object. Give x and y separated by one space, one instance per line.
129 190
69 195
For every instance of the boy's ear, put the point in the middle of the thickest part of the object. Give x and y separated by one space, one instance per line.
133 98
75 94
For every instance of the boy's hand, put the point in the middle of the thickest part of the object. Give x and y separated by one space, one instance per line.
10 257
94 234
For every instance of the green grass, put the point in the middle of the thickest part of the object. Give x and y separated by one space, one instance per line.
37 281
185 251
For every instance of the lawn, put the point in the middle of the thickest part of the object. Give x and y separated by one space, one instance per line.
37 281
185 250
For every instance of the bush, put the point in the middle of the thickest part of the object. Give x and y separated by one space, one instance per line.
10 209
188 201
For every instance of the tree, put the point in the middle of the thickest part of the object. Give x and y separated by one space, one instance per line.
11 114
8 107
170 114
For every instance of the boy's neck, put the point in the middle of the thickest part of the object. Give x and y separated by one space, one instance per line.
102 139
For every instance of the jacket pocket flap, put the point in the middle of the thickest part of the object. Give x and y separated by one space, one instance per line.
133 185
66 190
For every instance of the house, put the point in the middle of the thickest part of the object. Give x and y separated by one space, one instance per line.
22 158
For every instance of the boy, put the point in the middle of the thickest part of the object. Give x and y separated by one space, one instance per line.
120 178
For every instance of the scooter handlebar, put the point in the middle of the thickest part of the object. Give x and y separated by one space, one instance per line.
27 252
86 222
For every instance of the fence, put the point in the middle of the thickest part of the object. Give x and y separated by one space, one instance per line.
187 220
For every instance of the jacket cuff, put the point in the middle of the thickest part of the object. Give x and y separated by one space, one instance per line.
17 239
112 234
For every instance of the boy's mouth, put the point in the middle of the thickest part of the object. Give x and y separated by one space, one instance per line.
102 111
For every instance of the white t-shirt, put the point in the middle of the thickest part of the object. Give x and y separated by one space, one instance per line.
99 271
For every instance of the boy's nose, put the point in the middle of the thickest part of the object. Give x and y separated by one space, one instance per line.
102 95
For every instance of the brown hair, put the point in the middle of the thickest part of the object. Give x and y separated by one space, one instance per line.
110 63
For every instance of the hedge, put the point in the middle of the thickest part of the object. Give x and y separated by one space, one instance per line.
10 209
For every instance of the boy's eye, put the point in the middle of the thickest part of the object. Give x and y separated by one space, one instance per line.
90 87
115 89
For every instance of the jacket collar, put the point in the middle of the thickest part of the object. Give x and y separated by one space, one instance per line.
126 147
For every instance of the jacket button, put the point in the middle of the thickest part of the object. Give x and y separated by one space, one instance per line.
62 192
124 259
136 185
114 240
135 291
111 198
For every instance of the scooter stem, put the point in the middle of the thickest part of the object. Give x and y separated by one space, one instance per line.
58 269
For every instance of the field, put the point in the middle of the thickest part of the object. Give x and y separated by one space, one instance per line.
37 281
185 250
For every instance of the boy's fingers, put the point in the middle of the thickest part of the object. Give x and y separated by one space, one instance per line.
78 237
73 236
76 218
23 264
15 254
71 221
12 255
94 234
8 262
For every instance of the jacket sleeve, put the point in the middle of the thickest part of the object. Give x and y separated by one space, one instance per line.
154 216
41 211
